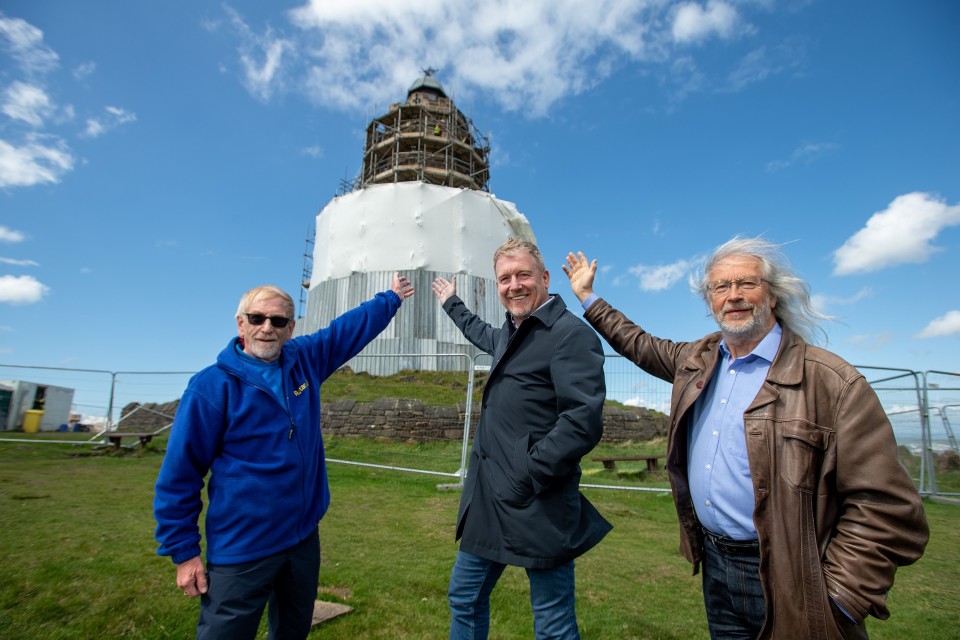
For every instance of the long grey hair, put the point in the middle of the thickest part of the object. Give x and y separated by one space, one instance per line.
794 310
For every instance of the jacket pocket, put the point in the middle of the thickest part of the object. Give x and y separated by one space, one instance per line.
521 483
541 527
801 454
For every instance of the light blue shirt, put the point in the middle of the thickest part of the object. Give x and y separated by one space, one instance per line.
718 469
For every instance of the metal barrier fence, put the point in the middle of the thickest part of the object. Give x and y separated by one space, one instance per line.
900 393
407 452
941 402
924 409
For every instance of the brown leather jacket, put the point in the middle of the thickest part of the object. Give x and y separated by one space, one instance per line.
835 511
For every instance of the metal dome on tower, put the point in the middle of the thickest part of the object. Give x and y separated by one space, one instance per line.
421 206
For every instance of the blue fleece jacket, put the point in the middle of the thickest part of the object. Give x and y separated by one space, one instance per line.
267 487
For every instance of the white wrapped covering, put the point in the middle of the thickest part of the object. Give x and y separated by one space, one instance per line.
413 226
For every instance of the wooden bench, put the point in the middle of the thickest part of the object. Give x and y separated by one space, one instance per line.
610 464
115 438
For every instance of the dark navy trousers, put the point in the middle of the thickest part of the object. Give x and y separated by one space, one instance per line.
237 594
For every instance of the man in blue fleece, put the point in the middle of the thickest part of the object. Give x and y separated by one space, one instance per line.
252 422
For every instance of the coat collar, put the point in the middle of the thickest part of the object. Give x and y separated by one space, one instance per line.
229 360
786 369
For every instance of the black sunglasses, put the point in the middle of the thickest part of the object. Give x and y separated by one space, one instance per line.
257 319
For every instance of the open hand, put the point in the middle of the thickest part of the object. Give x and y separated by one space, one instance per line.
401 286
581 274
443 288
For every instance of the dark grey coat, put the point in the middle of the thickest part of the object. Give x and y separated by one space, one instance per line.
542 411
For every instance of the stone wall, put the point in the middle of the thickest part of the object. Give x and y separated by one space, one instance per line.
411 419
401 419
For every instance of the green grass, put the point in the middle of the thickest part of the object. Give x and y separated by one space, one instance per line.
436 388
78 556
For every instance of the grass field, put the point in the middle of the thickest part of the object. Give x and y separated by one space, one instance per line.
78 555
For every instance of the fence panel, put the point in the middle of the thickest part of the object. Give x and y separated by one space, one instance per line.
88 391
901 396
943 404
424 436
628 384
146 400
432 435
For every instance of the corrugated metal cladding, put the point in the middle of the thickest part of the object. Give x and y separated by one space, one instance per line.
420 327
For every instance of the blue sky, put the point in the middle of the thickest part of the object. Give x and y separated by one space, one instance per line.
157 159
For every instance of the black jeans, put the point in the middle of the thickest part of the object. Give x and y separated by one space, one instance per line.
732 593
237 594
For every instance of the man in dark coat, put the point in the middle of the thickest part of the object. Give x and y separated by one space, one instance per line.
542 411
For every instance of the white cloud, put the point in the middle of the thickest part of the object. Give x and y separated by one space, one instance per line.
872 341
19 263
11 235
260 73
901 233
660 277
821 303
34 157
39 160
115 116
805 153
314 151
83 71
21 289
30 154
24 43
662 406
525 54
27 103
261 56
693 23
764 62
946 325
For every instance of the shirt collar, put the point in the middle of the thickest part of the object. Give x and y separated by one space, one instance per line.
546 302
767 349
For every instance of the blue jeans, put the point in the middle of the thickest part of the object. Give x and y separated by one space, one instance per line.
732 593
238 593
551 594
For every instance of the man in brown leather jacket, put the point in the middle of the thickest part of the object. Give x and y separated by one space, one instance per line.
782 461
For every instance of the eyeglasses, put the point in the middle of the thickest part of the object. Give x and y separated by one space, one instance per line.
257 319
746 283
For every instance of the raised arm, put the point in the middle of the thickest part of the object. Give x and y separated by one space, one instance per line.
401 286
473 328
581 273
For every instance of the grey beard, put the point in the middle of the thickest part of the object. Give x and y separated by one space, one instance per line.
756 327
